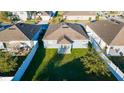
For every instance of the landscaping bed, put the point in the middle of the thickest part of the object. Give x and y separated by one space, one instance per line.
9 64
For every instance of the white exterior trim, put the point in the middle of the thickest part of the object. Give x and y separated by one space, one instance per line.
75 44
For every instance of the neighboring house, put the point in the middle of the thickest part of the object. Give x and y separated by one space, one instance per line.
23 15
65 36
79 15
109 35
19 37
4 26
45 16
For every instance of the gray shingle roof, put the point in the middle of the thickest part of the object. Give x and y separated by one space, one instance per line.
111 32
69 32
82 13
19 32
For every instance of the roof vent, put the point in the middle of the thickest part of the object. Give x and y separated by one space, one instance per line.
12 28
117 22
64 26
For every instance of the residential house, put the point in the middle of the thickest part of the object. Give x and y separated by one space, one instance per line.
65 36
45 16
19 37
79 15
109 35
23 15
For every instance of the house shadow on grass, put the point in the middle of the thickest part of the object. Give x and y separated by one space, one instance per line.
49 73
35 63
72 71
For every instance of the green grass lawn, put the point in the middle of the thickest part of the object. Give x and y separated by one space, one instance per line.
31 21
48 65
118 61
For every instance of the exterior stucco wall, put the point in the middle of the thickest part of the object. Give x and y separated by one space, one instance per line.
80 44
29 43
1 45
22 15
50 44
45 18
116 50
76 44
79 17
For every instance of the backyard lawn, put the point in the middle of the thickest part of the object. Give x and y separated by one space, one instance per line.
47 65
31 21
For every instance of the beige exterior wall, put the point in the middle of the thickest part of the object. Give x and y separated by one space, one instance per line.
79 17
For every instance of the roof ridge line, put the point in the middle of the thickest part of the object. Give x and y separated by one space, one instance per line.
117 35
22 31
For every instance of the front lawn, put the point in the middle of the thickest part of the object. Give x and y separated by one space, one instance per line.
48 65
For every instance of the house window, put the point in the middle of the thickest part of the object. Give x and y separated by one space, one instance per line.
117 50
121 53
111 47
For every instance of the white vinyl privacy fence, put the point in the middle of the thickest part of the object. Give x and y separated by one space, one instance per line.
25 63
112 67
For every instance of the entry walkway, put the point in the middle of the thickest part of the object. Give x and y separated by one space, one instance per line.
112 67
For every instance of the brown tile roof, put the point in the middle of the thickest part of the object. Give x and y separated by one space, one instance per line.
111 32
19 32
82 13
66 31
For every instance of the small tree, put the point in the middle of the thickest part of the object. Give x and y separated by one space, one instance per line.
94 65
97 18
7 62
90 19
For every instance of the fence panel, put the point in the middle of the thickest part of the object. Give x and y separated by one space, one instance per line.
25 64
112 67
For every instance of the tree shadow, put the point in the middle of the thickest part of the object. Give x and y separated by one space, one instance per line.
71 71
50 72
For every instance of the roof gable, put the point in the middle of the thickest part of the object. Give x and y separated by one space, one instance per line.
107 30
73 31
119 38
19 32
11 34
28 29
64 40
